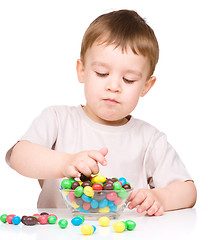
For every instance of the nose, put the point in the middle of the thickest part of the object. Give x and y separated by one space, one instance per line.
113 84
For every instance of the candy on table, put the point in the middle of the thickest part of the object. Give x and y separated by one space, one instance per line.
9 218
88 229
29 220
76 221
63 223
3 218
119 226
43 219
16 220
104 221
130 224
52 219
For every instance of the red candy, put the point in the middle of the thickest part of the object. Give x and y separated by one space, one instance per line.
112 196
43 219
97 186
86 205
118 201
9 218
71 196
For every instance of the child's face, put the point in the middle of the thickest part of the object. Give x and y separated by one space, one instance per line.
114 82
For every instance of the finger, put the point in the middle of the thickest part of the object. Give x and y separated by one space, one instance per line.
133 194
159 212
137 200
154 208
104 151
82 167
146 204
93 165
97 156
72 172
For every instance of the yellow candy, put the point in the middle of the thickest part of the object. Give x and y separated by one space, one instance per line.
65 192
104 210
87 229
75 205
89 191
104 221
119 227
99 179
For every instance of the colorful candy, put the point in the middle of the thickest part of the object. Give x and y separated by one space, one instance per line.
119 226
16 220
63 223
76 221
87 229
104 221
29 220
96 194
3 218
130 225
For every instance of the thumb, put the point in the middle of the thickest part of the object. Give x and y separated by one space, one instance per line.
104 151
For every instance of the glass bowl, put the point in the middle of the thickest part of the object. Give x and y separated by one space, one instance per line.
98 203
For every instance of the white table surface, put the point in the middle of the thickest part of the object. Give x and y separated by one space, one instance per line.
181 224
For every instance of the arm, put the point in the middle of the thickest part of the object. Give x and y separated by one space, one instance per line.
155 201
35 161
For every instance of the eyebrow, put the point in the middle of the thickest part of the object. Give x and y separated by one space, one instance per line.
100 64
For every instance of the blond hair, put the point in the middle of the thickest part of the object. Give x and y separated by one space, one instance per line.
123 28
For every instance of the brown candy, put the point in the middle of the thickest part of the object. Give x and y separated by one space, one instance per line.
84 178
29 221
86 183
126 186
74 185
44 213
108 186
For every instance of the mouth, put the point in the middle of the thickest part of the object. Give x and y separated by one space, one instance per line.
110 101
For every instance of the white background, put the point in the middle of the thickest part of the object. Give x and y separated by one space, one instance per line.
39 44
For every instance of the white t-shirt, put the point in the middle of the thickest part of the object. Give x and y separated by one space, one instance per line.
136 150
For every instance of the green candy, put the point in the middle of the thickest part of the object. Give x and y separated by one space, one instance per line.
117 186
125 225
52 219
78 191
3 218
63 223
66 184
83 219
130 225
122 193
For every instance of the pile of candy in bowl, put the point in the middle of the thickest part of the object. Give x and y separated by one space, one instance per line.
96 196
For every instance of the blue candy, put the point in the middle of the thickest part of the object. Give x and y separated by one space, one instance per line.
113 208
94 228
103 203
94 203
85 198
111 204
76 221
123 180
16 220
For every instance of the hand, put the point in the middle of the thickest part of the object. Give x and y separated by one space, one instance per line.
147 200
85 162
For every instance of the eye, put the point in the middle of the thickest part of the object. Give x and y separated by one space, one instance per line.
128 81
101 74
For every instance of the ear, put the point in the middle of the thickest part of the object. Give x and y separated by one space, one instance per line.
80 71
148 85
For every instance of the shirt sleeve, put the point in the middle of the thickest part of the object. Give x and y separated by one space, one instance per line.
164 165
43 130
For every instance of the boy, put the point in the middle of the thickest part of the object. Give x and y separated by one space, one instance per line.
119 53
